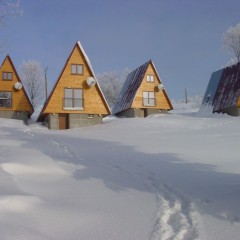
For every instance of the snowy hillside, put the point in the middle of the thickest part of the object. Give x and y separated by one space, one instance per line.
170 176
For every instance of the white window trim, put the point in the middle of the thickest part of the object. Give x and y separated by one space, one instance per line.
73 108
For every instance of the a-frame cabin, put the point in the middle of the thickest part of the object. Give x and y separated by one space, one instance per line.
223 91
142 94
14 102
76 99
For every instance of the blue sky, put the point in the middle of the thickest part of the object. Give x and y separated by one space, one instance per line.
182 37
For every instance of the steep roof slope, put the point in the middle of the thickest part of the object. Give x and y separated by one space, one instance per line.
130 87
212 87
228 90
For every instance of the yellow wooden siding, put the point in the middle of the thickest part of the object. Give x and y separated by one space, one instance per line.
161 100
93 101
238 102
19 99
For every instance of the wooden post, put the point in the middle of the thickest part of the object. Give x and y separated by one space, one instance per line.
186 96
45 71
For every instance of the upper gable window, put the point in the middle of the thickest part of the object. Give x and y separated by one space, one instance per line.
7 76
77 69
150 78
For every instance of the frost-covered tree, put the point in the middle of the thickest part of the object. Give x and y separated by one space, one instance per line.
231 42
111 84
32 76
9 8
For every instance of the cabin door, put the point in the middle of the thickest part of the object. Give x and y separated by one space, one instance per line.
63 121
142 112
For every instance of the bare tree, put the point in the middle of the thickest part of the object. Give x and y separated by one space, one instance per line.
9 8
111 84
32 76
231 42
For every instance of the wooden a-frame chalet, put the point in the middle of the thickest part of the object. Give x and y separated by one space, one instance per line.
76 99
14 101
223 91
142 93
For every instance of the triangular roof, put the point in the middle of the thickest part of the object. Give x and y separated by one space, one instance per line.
228 90
131 85
223 89
79 45
8 58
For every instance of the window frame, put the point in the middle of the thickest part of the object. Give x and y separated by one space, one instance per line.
5 100
5 76
71 100
76 72
150 78
149 101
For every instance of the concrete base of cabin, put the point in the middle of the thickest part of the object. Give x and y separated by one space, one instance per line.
138 112
15 115
68 121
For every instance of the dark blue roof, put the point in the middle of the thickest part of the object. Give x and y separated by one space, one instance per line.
223 89
228 90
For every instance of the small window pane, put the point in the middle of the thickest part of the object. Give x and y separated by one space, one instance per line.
74 69
68 103
8 103
9 76
79 69
68 93
4 75
151 94
145 94
77 103
78 93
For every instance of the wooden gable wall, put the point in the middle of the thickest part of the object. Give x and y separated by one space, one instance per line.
93 101
162 101
20 101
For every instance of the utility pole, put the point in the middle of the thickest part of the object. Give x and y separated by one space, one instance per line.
45 71
186 96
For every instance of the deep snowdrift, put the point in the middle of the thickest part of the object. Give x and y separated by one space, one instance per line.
173 176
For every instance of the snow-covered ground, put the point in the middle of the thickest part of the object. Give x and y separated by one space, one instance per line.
169 176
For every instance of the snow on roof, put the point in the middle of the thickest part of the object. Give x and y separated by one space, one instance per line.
91 69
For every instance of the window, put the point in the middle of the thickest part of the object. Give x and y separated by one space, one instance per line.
5 99
149 99
150 78
77 69
73 99
7 76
